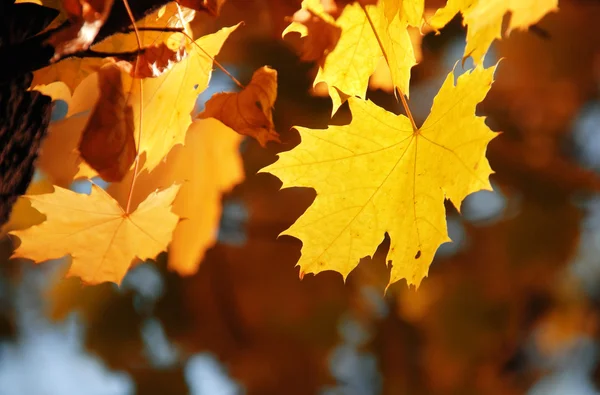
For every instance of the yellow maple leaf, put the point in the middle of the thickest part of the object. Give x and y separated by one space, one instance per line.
483 19
367 35
379 175
207 165
167 101
100 236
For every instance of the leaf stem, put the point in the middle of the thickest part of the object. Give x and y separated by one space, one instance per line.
137 155
397 90
408 113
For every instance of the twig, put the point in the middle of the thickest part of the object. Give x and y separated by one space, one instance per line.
34 53
128 55
156 29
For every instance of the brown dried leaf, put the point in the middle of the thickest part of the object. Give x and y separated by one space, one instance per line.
108 143
249 111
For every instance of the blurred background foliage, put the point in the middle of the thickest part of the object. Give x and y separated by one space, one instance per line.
511 307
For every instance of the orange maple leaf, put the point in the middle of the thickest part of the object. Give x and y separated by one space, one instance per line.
100 236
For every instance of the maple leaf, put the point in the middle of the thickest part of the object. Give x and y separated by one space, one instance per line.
102 239
483 19
378 175
107 142
367 35
248 112
167 101
208 165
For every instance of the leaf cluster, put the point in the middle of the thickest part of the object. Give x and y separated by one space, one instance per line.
130 123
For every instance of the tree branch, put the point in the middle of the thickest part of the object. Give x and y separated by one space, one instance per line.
34 53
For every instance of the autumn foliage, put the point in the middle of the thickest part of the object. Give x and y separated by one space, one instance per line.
131 97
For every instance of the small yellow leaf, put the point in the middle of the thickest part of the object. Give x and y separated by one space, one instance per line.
102 239
248 112
367 35
483 19
378 175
